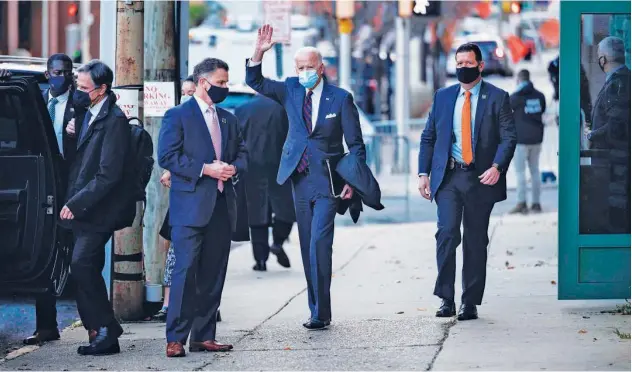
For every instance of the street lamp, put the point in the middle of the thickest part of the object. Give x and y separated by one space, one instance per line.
345 10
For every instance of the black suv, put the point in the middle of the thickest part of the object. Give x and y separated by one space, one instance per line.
33 251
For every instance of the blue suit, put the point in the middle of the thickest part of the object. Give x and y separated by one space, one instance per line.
200 216
314 204
457 189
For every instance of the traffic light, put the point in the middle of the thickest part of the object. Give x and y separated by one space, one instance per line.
513 7
73 9
426 8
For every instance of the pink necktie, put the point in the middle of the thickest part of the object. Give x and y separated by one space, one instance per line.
216 137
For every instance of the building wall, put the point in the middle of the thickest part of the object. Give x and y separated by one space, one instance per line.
28 29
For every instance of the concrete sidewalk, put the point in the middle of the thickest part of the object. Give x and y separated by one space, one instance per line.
383 314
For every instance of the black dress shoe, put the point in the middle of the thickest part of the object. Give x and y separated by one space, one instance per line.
467 312
260 266
282 257
447 309
315 324
41 336
105 343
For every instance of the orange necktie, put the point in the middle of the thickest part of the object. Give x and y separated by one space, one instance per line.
466 129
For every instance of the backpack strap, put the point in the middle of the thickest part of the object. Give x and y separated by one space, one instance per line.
140 122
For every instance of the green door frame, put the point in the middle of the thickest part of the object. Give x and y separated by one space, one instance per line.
602 252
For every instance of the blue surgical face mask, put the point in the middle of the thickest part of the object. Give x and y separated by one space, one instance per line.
308 78
185 98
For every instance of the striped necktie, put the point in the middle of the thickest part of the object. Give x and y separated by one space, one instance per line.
307 116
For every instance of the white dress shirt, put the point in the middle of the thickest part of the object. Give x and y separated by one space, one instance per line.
58 120
317 93
94 110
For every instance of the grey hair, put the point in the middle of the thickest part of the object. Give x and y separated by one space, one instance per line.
100 73
613 48
309 50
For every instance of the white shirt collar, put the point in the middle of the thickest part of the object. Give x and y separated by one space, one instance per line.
203 105
94 110
319 88
61 97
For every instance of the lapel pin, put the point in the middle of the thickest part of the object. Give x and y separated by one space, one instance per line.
224 120
484 96
327 98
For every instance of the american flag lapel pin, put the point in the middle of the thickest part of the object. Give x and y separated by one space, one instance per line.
223 120
484 96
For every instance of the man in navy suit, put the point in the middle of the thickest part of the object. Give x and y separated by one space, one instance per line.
319 115
201 145
465 149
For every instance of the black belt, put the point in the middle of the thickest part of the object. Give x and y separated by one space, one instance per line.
453 164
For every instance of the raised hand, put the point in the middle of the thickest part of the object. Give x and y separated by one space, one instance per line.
264 42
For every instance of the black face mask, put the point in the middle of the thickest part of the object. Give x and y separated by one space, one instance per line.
602 67
81 99
467 75
59 84
217 94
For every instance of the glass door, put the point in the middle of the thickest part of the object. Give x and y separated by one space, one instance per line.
594 211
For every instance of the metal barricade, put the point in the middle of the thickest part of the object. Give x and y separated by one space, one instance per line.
389 156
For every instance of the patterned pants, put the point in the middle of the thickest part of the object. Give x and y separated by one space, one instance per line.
169 264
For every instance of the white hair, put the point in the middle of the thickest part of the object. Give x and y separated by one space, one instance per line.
308 50
613 48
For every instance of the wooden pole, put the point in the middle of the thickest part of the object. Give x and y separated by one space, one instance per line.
160 66
128 281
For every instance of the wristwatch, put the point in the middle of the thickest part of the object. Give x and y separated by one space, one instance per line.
497 167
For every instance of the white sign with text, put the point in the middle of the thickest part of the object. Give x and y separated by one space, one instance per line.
127 100
277 13
159 97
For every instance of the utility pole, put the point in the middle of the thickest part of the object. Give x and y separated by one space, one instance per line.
402 73
160 66
345 10
128 283
86 20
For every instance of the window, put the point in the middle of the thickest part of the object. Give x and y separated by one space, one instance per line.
605 126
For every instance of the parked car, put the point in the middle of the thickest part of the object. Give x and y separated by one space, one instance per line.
495 54
32 251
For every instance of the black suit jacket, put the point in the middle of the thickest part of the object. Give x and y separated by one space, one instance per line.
99 187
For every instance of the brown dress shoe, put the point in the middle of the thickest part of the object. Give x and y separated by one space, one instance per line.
209 346
175 350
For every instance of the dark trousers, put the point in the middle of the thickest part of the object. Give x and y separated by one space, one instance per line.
45 311
457 201
88 258
259 236
315 213
198 276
